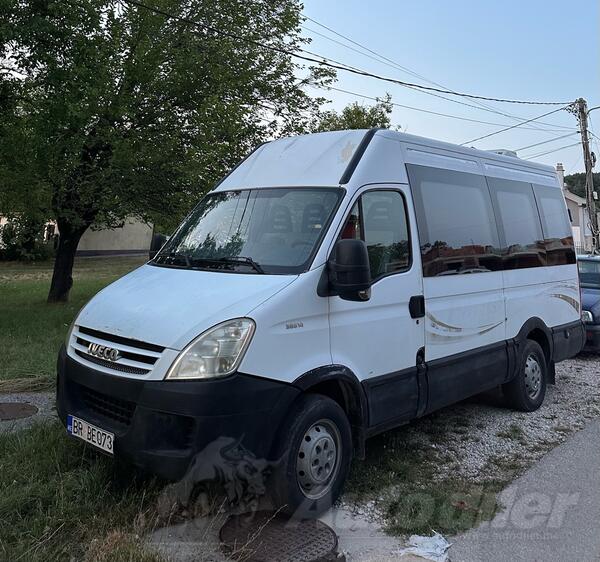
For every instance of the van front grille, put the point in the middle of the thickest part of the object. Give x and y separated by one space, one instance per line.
132 356
111 365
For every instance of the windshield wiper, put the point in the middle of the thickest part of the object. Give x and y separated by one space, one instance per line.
243 260
229 260
176 256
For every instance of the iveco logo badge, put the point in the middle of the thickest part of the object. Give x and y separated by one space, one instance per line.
103 352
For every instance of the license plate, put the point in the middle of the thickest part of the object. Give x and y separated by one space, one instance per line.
90 434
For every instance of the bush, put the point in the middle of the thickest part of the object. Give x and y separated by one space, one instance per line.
22 239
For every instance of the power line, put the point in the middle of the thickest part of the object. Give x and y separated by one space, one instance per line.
572 168
547 141
391 63
364 96
551 151
331 63
515 126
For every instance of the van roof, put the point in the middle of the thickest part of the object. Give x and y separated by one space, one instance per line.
330 159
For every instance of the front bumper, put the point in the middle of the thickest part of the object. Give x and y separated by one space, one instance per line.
592 337
161 426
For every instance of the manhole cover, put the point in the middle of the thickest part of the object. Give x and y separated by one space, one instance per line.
266 537
16 410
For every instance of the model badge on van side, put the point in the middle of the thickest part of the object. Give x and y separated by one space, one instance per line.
293 325
103 352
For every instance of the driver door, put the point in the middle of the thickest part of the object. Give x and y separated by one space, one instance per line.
379 339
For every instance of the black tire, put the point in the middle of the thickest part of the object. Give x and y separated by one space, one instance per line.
522 393
319 416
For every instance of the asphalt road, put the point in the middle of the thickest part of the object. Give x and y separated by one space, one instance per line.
551 513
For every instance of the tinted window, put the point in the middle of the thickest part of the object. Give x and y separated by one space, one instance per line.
379 218
518 223
555 225
456 222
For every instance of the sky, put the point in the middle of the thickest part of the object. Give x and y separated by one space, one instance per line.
540 50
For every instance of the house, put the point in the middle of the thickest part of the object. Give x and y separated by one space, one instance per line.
133 237
578 213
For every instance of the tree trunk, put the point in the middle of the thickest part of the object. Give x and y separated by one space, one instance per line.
62 276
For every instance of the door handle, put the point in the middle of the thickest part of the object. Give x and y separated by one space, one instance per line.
416 306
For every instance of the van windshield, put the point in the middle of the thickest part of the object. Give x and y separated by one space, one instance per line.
274 230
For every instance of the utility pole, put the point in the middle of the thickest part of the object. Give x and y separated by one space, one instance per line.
582 115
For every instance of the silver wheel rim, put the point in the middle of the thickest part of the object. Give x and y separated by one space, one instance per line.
318 459
533 377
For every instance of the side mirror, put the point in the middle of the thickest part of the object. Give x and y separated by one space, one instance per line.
158 241
349 271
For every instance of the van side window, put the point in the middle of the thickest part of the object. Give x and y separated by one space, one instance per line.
558 235
518 223
379 218
457 227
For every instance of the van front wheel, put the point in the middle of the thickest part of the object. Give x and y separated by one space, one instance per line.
314 451
526 392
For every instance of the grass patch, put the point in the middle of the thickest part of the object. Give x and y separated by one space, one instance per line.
32 331
58 499
514 432
61 501
399 475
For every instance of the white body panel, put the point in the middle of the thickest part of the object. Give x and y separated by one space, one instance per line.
170 307
292 332
296 330
310 160
551 295
463 312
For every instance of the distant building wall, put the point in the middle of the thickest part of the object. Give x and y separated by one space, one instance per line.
133 237
574 212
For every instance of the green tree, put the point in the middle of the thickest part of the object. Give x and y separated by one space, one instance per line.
112 110
356 116
576 183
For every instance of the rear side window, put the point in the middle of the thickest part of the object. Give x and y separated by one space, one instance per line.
457 227
518 223
558 237
379 218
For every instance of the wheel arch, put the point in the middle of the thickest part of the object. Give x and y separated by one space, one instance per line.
341 385
535 329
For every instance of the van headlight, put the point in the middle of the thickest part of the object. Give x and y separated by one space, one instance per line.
215 353
587 316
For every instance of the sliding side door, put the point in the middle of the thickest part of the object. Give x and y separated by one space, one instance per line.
465 348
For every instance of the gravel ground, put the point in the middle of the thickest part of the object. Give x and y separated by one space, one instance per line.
43 401
481 437
479 441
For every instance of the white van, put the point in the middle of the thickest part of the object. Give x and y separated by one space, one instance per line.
331 287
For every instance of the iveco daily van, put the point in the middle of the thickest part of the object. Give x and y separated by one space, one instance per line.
331 287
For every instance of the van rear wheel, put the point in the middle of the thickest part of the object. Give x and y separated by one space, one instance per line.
526 392
314 450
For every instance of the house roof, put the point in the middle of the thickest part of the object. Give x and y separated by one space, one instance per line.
575 198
